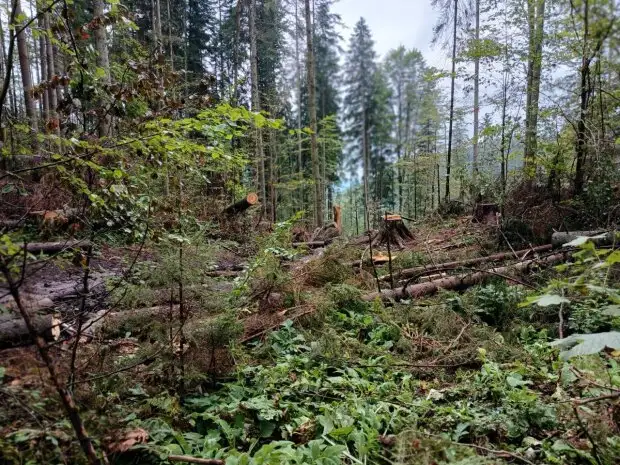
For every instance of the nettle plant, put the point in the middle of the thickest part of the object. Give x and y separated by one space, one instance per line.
590 292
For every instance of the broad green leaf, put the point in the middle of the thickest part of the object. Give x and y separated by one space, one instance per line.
546 300
586 344
611 310
8 188
341 432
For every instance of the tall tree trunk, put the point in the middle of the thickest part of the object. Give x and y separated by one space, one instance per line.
273 156
53 122
43 63
366 170
103 62
256 106
24 66
581 148
399 142
318 197
300 162
503 153
452 82
476 98
536 23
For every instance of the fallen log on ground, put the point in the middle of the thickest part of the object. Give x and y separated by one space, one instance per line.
242 205
222 274
601 237
32 303
411 272
13 330
310 245
463 281
54 247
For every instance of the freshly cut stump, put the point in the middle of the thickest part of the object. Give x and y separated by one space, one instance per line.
393 229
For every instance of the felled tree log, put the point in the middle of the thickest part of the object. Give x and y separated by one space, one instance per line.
13 330
32 303
242 205
310 245
55 247
463 281
560 238
410 272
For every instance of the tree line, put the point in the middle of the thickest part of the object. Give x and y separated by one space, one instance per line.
531 96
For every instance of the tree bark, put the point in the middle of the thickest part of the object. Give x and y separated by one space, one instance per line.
256 105
316 175
103 62
536 23
43 62
452 83
476 97
24 66
300 163
53 123
14 332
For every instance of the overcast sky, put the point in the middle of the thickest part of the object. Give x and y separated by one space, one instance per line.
393 23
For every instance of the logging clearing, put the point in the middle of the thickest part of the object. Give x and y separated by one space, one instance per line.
266 232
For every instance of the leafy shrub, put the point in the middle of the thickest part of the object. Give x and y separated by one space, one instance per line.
497 304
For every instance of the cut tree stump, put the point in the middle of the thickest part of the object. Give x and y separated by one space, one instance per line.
463 281
606 238
242 205
393 229
486 213
331 231
13 330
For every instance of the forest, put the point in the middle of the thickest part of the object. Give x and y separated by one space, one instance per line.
247 232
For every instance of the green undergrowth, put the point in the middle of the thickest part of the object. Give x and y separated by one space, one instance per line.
472 378
357 391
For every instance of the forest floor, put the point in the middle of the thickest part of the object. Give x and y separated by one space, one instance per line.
281 360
